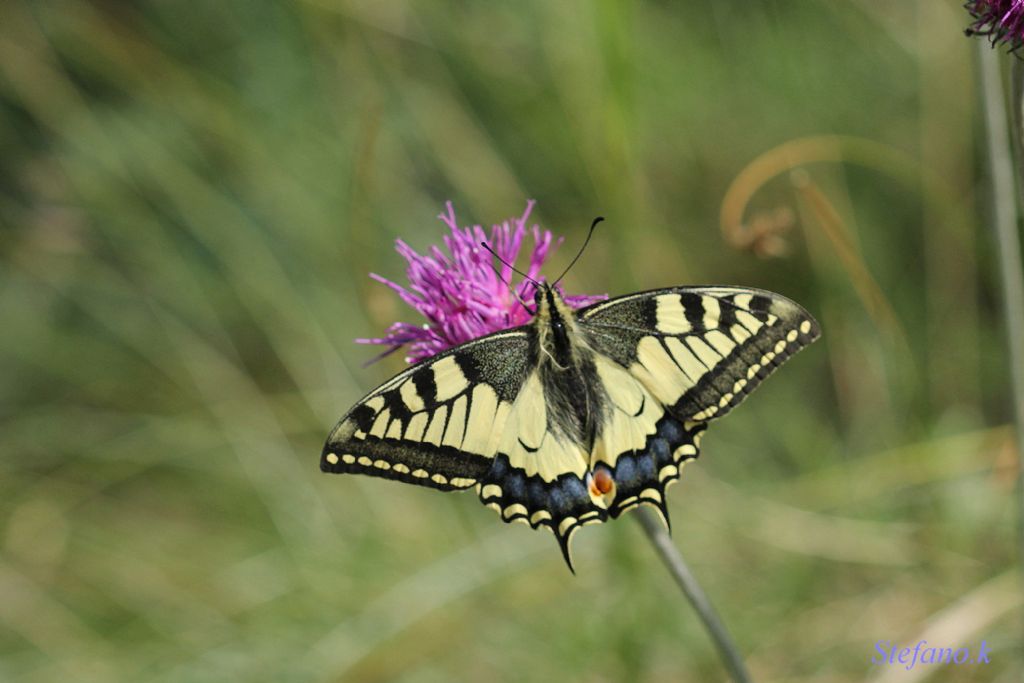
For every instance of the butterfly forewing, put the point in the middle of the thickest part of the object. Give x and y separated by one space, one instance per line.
700 350
437 423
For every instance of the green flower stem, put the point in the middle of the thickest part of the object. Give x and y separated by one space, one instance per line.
677 567
1007 237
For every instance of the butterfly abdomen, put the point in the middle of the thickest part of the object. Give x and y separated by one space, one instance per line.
576 401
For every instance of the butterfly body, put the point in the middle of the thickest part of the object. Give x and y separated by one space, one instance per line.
561 351
577 416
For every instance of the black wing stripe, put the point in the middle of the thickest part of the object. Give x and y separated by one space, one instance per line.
693 309
443 467
425 386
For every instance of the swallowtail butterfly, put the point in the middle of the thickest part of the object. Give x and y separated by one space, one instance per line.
577 416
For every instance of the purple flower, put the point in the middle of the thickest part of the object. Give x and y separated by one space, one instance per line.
459 292
1001 20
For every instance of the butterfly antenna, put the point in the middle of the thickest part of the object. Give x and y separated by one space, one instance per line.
510 287
514 269
580 252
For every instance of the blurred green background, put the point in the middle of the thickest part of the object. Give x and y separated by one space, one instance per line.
192 195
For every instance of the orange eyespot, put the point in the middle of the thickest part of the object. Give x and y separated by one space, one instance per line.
603 481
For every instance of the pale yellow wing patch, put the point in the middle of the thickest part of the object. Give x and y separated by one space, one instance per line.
633 416
668 369
530 445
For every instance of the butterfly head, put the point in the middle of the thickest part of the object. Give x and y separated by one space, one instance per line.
546 299
551 308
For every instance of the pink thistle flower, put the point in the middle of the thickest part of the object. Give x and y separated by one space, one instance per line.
460 294
1001 20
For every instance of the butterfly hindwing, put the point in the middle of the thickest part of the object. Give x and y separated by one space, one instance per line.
643 446
700 350
538 475
435 424
562 504
643 476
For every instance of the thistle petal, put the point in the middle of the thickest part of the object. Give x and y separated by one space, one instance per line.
458 291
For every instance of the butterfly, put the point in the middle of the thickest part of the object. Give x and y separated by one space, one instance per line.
579 415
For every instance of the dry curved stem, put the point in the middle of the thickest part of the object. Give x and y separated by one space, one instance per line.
810 150
686 581
762 233
822 213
